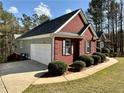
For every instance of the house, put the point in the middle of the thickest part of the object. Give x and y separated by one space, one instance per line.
63 38
102 40
17 35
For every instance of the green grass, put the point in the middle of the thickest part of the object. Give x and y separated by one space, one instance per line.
110 80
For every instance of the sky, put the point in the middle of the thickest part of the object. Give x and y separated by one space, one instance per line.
51 8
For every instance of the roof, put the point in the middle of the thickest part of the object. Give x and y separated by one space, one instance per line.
53 27
49 26
1 34
17 35
99 33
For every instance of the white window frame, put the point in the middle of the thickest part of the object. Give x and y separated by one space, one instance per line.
21 44
101 44
67 44
88 45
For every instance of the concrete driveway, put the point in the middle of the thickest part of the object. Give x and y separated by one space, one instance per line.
15 77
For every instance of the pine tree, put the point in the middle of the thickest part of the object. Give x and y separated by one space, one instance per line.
96 10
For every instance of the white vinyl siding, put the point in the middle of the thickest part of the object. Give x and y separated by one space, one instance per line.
36 49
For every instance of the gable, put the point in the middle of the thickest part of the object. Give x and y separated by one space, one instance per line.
49 26
88 34
75 25
102 37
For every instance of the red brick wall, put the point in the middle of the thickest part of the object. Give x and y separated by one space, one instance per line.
88 35
75 25
58 52
69 59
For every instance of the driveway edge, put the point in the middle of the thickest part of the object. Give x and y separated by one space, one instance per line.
3 85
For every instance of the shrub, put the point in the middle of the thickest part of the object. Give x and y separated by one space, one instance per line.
105 50
97 59
113 55
78 65
87 59
107 54
57 68
111 50
13 57
103 56
98 49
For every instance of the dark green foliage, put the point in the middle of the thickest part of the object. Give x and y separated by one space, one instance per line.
13 57
107 54
98 49
113 55
111 50
105 50
78 65
87 59
57 68
97 59
103 56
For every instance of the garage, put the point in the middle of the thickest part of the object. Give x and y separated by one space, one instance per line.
41 53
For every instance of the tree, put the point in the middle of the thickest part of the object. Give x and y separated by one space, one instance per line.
96 10
29 22
121 27
36 20
107 15
7 28
26 22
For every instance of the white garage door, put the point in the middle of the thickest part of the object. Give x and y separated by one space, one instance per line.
41 53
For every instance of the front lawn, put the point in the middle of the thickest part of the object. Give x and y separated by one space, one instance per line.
110 80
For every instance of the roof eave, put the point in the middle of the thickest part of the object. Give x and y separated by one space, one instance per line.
35 37
67 35
92 29
59 29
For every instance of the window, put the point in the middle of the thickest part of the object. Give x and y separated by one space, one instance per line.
67 47
88 46
101 44
21 44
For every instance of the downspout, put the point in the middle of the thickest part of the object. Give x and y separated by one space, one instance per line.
52 47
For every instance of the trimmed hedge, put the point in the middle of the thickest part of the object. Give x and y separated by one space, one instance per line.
87 59
105 50
98 49
111 50
97 59
78 65
13 57
113 55
57 68
107 54
103 56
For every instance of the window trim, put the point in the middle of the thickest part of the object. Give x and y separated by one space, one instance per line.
101 44
86 48
21 43
64 47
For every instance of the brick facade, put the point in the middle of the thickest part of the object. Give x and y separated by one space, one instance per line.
78 44
58 52
75 25
87 36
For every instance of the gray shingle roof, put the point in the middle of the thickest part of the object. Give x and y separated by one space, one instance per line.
99 33
49 26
